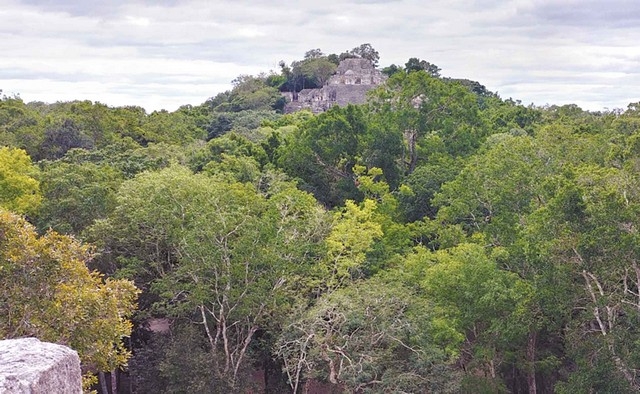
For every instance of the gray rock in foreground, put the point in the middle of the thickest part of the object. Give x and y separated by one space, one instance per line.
30 366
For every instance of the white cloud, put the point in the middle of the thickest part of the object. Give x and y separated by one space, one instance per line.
250 32
138 21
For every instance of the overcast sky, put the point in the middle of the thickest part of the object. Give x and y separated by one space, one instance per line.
165 53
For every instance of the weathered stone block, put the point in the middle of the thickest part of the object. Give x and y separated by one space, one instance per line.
29 366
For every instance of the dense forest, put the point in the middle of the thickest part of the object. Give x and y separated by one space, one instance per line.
437 239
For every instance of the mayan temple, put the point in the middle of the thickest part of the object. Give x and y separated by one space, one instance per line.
349 85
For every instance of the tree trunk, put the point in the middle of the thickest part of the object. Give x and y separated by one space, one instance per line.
114 381
411 137
531 362
103 383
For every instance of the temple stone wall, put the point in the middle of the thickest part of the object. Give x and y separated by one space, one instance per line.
29 366
349 85
357 71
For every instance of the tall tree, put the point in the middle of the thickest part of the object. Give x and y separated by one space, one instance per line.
324 152
47 291
415 64
589 226
313 53
366 51
482 320
221 253
424 109
76 194
373 336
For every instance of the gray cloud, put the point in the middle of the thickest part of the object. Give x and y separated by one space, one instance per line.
172 52
595 14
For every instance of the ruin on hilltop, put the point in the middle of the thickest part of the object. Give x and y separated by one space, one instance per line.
349 85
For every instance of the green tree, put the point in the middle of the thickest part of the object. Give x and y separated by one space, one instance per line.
509 116
218 252
392 69
372 336
589 226
246 123
424 183
20 125
395 239
76 194
324 152
229 147
129 158
171 127
317 70
160 367
58 139
313 54
366 51
495 189
415 64
422 108
481 320
250 93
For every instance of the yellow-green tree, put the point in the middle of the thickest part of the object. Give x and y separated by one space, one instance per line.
46 291
351 237
19 191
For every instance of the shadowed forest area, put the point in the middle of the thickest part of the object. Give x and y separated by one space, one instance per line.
436 239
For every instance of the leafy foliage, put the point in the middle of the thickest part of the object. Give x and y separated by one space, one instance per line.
76 194
369 337
19 190
214 250
47 291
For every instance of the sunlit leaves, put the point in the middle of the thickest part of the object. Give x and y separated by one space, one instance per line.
351 237
47 291
19 190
